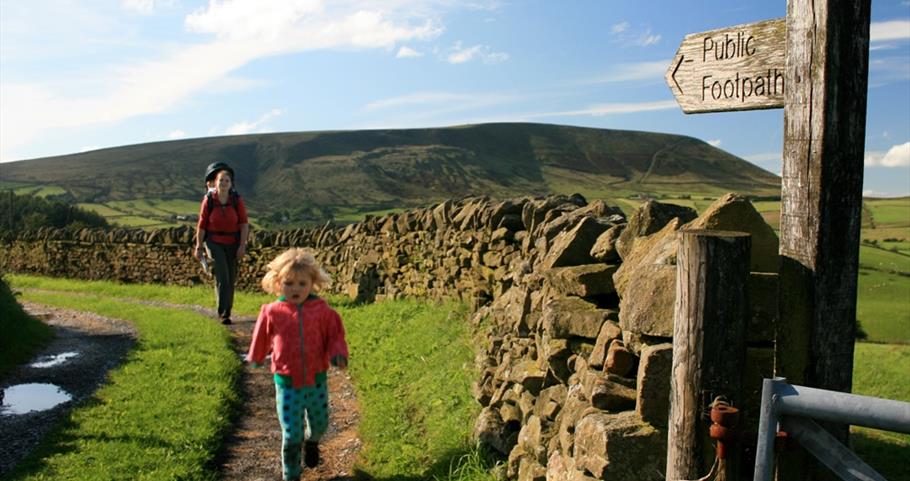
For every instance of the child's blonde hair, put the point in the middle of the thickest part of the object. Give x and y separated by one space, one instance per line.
298 261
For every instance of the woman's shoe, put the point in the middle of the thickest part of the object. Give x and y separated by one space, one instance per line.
226 321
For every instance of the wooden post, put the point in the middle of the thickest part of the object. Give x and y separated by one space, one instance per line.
708 343
821 198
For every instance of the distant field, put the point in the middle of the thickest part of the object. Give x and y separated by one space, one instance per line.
883 295
136 221
346 215
102 210
12 185
146 213
890 212
886 223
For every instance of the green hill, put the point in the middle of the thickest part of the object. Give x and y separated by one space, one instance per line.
319 175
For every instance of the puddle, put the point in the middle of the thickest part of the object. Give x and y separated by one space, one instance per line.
50 361
25 398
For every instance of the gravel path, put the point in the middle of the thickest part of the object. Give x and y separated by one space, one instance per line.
252 450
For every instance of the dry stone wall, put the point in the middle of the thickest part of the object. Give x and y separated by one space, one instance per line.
575 301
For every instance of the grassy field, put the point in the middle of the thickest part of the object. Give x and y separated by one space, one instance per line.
129 431
410 361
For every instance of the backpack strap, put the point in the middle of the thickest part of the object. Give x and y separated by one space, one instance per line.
210 205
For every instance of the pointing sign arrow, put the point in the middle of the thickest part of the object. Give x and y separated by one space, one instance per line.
734 68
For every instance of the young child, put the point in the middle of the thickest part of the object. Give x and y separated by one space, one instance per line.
303 335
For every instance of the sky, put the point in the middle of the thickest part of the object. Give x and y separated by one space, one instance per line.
83 75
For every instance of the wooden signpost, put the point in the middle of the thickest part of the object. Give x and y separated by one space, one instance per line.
825 49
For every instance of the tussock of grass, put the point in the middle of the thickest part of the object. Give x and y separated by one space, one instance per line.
22 334
163 413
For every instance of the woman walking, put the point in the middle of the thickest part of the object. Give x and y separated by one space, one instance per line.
222 233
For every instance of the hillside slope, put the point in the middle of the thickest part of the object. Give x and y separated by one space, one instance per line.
375 169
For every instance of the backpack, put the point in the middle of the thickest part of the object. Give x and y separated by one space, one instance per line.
210 205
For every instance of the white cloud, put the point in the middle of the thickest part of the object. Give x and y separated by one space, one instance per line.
624 34
764 157
601 110
239 32
241 19
889 30
144 7
421 108
648 39
176 134
633 71
258 125
896 156
714 143
459 54
407 52
88 148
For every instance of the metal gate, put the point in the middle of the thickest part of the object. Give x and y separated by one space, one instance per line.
794 408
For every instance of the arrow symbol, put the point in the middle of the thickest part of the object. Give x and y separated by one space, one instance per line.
673 75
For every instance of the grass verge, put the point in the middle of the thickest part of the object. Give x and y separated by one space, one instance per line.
412 367
22 336
163 413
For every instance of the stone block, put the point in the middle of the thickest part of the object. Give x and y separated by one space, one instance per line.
619 446
653 381
583 281
573 247
565 317
604 248
649 218
733 212
608 332
605 394
620 360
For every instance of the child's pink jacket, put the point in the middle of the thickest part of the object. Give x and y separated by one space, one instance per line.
310 332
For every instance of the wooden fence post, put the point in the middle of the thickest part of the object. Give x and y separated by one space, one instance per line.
821 199
708 343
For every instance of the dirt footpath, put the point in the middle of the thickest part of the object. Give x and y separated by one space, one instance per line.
252 450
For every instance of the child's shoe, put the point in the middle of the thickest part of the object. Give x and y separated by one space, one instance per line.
311 454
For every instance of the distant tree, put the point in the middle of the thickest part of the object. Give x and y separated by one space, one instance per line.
28 212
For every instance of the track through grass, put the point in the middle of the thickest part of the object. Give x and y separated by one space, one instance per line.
163 413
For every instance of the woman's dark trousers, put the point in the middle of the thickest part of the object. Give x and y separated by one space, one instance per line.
224 267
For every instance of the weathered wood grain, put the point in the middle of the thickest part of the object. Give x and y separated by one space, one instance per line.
733 68
821 199
708 342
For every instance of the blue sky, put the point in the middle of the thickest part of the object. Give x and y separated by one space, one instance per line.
80 75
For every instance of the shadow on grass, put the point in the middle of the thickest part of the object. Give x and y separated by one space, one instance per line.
61 441
887 457
458 465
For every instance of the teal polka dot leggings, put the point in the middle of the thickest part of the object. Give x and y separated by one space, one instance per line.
303 414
